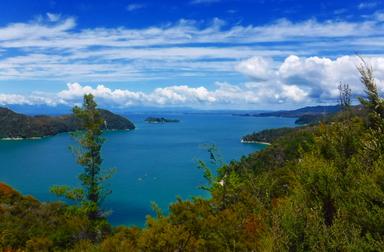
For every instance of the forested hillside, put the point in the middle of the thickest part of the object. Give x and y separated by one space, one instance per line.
15 125
318 188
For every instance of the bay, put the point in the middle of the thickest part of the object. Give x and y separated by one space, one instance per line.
154 162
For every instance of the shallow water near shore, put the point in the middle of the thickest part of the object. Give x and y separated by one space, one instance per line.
154 162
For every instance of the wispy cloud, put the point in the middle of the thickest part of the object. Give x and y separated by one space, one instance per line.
204 1
367 5
135 6
54 48
53 17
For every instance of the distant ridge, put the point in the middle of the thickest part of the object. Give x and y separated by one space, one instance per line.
309 114
309 110
19 126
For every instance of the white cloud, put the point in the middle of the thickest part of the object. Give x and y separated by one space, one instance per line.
53 17
316 78
293 93
295 80
184 31
275 57
172 95
33 99
54 48
13 99
259 68
224 95
34 32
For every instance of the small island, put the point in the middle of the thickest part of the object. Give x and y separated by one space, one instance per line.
160 120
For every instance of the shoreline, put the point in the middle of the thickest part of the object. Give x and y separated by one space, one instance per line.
20 138
254 142
41 137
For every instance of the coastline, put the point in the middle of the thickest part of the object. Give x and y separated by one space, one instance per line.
20 138
41 137
254 142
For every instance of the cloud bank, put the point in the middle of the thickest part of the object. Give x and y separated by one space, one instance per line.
296 80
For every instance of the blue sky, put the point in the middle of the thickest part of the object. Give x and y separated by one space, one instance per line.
232 54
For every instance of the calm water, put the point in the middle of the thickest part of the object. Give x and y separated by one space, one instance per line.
155 162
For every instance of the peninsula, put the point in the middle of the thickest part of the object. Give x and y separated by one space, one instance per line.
19 126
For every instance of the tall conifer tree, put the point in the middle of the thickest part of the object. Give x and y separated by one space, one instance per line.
93 190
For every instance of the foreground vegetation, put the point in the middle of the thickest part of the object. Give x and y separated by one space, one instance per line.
317 188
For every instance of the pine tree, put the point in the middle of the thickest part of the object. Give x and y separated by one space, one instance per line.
93 190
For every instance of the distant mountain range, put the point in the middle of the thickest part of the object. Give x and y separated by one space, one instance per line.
66 109
310 114
310 110
14 125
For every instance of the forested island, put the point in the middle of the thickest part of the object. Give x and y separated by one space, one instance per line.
20 126
160 120
315 188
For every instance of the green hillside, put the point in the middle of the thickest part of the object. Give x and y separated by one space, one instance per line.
15 125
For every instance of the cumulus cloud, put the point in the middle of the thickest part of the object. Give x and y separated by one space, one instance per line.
258 68
172 95
33 99
222 96
295 80
315 78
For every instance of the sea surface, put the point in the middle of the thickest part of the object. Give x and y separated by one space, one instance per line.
154 162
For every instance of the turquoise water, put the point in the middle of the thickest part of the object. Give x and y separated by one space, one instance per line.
155 162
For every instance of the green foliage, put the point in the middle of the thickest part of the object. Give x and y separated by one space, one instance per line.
317 188
373 103
215 163
268 135
27 223
93 190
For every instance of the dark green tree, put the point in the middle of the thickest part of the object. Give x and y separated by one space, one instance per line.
93 190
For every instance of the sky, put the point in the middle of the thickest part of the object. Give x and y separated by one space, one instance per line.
204 54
